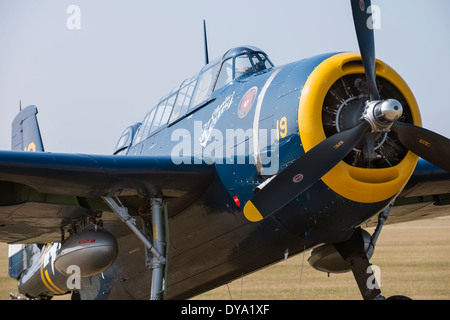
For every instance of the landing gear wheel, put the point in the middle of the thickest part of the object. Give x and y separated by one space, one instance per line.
75 295
399 297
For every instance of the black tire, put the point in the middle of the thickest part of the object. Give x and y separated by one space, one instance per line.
399 297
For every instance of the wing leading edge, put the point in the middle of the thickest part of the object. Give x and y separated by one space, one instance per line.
426 195
99 175
39 190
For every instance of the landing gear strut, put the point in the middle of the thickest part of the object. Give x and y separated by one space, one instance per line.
357 252
354 254
156 249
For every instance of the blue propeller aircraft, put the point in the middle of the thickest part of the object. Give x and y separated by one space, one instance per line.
237 164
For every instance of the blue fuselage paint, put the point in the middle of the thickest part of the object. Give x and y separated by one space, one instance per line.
211 242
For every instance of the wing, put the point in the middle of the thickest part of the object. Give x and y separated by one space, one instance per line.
40 191
426 195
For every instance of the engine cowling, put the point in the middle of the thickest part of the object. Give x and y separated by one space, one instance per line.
332 101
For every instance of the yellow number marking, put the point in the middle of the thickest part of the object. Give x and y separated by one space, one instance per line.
282 128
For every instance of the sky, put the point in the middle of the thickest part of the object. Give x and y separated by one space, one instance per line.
94 70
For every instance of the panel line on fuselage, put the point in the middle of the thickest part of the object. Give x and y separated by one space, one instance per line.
256 152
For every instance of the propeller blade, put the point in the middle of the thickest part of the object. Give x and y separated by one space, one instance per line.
425 143
303 173
366 42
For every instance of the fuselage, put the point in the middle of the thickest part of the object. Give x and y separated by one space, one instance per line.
249 129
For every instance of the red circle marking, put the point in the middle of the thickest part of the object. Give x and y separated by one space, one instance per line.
297 178
246 102
362 5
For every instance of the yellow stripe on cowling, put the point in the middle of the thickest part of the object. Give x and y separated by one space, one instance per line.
251 213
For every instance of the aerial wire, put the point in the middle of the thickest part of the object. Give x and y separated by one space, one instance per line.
307 232
206 43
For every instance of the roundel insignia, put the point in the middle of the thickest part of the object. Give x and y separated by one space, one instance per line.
297 178
246 102
362 5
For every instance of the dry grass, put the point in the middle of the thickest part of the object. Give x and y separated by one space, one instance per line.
414 259
7 284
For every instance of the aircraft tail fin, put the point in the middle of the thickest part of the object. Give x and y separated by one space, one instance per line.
26 135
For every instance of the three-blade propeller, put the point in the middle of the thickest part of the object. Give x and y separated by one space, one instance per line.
313 165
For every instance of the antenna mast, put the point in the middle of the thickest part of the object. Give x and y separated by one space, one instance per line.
206 43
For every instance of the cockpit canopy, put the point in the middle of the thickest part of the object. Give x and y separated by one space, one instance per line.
234 64
241 61
194 92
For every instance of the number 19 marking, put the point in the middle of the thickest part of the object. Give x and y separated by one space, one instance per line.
282 128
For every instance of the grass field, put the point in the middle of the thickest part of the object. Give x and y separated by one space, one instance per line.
414 259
